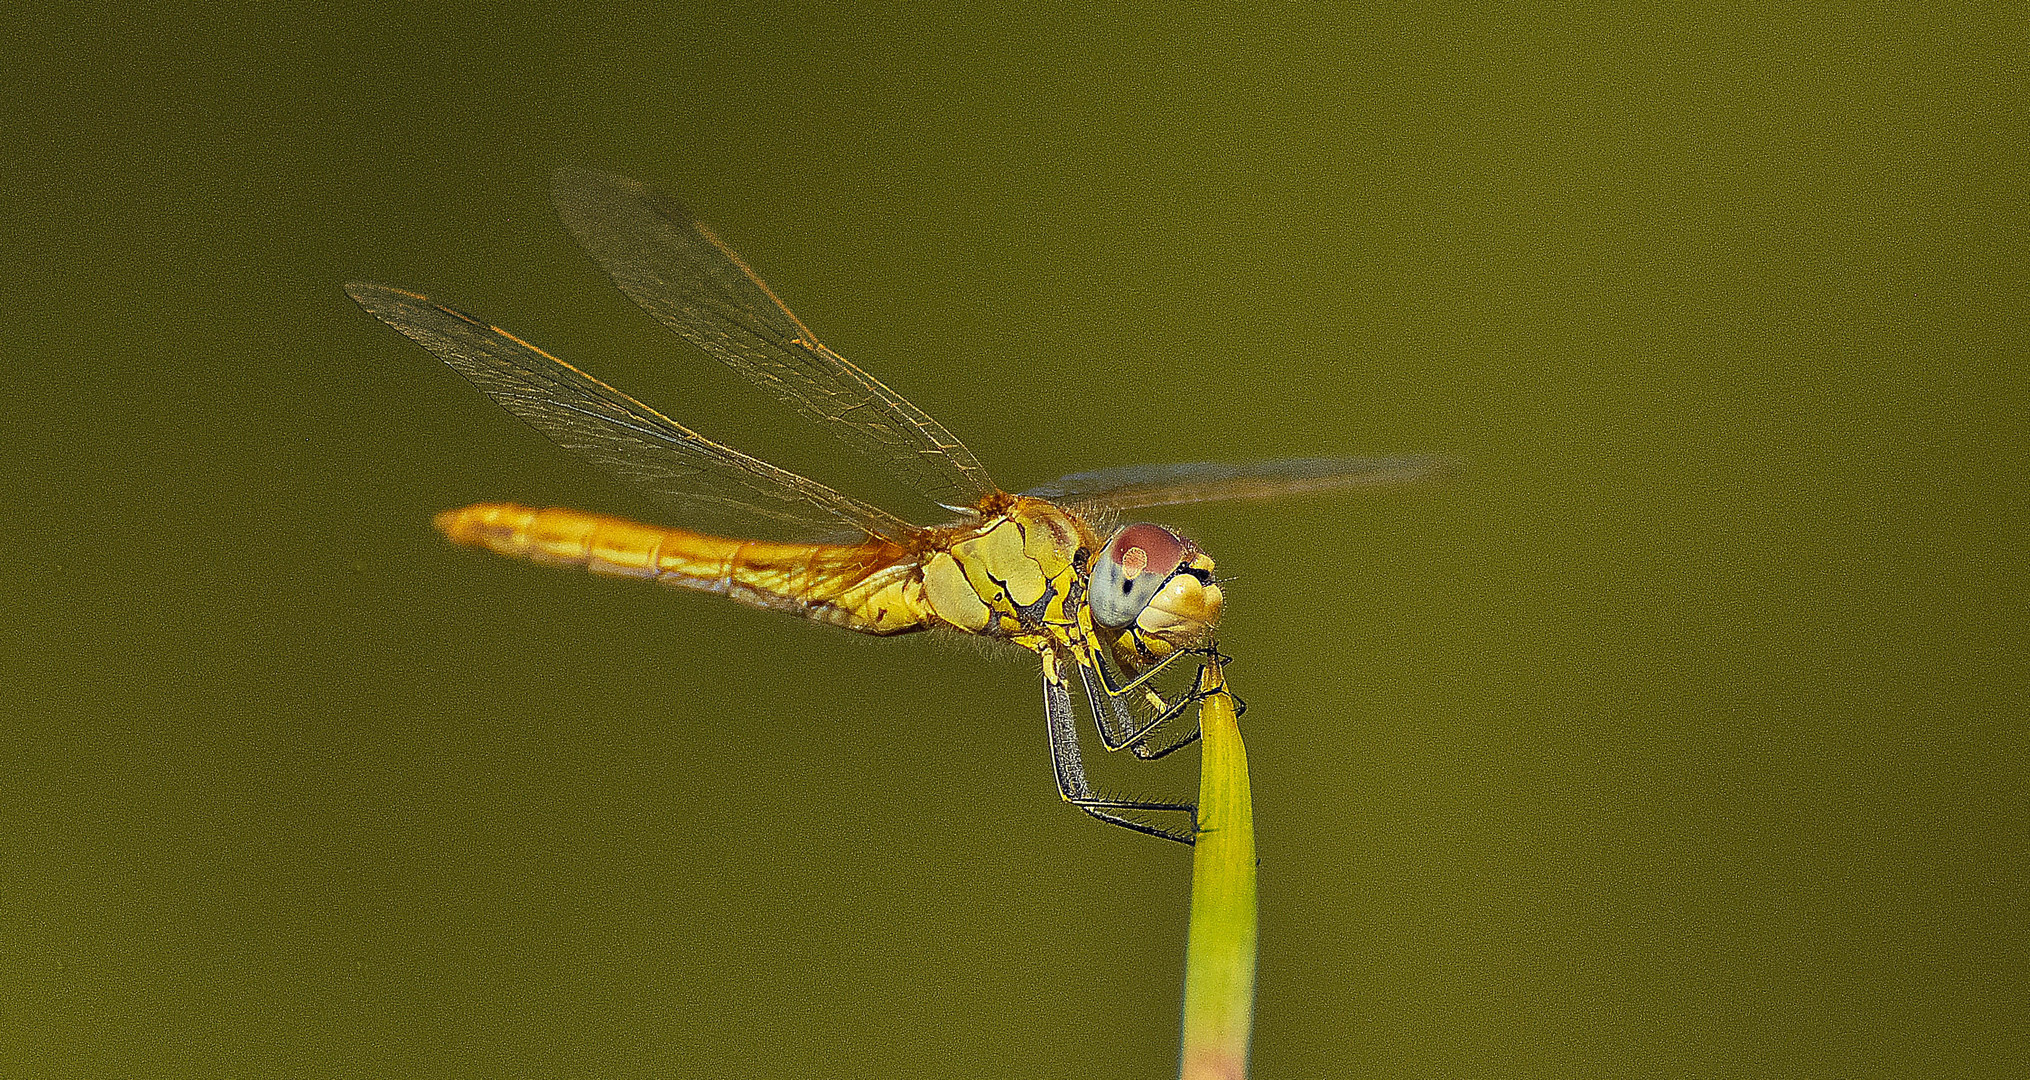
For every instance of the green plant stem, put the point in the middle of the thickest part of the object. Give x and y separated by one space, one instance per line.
1219 961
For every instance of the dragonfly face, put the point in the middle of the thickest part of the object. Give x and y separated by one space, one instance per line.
1027 569
1153 590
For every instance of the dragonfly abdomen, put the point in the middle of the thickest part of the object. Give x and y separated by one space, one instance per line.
874 588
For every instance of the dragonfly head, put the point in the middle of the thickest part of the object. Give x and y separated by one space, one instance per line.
1151 580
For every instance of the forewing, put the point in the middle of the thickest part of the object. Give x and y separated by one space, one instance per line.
578 412
680 273
1133 486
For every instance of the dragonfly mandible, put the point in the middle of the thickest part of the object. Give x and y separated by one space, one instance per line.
1111 610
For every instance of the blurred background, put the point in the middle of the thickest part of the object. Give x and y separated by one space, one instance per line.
1680 733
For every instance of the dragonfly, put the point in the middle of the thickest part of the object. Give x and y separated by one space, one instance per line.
1122 614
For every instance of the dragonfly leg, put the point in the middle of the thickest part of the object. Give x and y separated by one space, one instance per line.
1069 766
1117 724
1148 749
1120 728
1151 672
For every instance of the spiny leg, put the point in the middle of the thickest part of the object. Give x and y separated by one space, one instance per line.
1070 768
1117 724
1119 727
1149 749
1147 674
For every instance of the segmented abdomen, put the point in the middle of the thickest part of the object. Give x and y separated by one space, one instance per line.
874 588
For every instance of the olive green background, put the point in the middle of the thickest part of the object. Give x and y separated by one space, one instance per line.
1682 733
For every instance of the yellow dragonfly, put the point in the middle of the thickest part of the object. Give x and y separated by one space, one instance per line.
1112 609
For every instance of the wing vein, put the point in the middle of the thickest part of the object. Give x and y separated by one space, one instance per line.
669 461
679 272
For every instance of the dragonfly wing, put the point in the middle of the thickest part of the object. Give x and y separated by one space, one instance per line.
634 442
1211 481
680 273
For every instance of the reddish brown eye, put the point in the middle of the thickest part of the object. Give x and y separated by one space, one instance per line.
1161 550
1131 569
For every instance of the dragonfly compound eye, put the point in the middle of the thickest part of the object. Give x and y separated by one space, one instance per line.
1131 570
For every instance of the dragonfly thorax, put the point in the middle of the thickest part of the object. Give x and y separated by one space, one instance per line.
1016 574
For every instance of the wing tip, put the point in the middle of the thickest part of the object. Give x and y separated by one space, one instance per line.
366 293
572 183
575 175
1432 467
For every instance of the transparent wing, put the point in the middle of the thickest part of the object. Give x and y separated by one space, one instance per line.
578 412
1211 481
677 271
